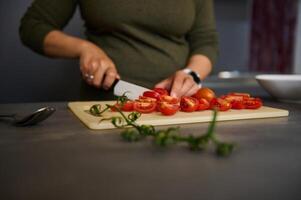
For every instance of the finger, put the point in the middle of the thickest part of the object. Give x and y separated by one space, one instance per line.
193 90
187 85
88 81
84 69
165 84
86 74
110 76
88 68
99 75
84 65
89 65
177 84
93 68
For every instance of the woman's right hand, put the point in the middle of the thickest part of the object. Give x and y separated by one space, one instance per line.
96 67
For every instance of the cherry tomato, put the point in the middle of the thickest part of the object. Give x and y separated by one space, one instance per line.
161 91
147 99
127 106
189 104
232 98
169 99
220 104
144 107
203 104
253 103
237 101
204 93
238 105
167 108
239 94
152 94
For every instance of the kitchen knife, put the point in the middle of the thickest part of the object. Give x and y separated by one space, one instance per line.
132 91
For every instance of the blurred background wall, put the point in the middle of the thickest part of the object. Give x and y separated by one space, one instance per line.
297 57
233 24
28 77
273 31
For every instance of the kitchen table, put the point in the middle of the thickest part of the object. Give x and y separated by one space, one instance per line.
62 159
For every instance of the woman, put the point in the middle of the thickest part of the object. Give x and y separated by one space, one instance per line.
147 42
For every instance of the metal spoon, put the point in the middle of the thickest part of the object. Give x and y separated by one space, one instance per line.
31 119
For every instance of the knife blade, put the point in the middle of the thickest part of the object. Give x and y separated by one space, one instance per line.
132 90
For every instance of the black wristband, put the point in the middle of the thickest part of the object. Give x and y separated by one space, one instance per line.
195 76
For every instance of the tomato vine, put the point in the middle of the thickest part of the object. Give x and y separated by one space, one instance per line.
133 132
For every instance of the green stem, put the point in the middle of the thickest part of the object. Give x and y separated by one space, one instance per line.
210 131
170 135
129 122
104 110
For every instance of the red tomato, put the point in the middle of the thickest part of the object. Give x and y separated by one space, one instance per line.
113 109
152 94
189 104
232 98
220 104
161 91
238 105
203 104
127 107
167 108
147 99
253 103
242 101
204 93
239 94
237 101
169 99
144 107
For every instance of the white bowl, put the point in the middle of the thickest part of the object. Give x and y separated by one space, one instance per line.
282 87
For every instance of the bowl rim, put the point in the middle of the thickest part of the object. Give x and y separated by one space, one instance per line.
279 77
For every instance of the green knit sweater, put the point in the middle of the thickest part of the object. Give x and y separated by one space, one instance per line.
148 40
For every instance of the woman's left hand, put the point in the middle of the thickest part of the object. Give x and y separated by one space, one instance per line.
179 84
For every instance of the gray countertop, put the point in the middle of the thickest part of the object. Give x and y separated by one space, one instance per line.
62 159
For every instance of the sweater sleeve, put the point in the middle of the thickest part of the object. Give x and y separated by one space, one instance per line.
203 37
42 17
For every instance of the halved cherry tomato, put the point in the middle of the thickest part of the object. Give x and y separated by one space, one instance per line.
253 103
237 101
203 104
239 94
232 98
189 104
204 93
242 101
238 105
167 108
127 107
152 94
161 91
144 107
220 104
169 99
147 99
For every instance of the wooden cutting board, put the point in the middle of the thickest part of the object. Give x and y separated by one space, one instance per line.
80 110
